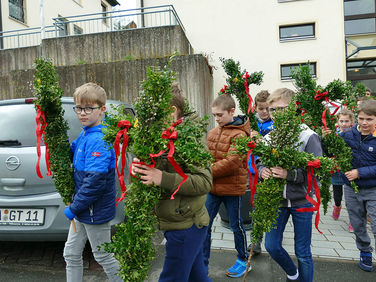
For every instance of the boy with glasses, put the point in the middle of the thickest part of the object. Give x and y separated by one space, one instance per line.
93 204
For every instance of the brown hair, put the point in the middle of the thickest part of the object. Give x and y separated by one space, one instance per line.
368 107
90 93
262 96
225 102
284 94
346 112
177 99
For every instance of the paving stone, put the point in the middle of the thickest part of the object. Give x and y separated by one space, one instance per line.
228 236
324 252
222 244
216 235
349 246
222 229
288 241
326 244
349 254
348 239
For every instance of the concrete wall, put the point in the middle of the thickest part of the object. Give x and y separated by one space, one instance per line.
121 79
156 42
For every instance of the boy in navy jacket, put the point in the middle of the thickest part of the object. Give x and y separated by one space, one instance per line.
362 140
94 202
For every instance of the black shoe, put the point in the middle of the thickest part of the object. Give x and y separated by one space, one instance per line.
256 249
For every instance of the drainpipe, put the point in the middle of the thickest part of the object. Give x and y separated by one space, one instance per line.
1 28
42 26
142 16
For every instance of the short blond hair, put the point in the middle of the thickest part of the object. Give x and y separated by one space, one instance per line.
284 94
90 93
346 112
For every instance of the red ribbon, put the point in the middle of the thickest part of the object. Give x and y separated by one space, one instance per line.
316 205
124 133
170 134
224 89
324 95
303 111
40 131
247 91
252 182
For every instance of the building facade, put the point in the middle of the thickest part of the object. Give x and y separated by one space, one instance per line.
26 14
269 36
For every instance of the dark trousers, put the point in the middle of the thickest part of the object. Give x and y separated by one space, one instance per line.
337 194
184 260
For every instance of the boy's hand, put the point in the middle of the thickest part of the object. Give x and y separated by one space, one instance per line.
69 214
325 132
279 172
352 174
254 134
149 175
266 173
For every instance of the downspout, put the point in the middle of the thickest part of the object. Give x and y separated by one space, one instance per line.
1 28
142 14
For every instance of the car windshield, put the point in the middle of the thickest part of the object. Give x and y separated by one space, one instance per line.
18 124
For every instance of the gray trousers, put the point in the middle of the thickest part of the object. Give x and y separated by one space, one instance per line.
358 204
75 244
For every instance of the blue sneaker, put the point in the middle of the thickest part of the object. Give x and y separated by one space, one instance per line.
365 262
238 269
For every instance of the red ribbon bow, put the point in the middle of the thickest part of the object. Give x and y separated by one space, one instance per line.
252 182
40 131
224 89
245 77
124 132
303 111
172 135
324 95
316 205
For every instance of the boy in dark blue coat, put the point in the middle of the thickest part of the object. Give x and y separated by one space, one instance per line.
94 202
362 140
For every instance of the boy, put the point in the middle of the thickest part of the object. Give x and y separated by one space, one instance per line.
294 198
362 140
184 219
229 177
345 120
93 205
265 126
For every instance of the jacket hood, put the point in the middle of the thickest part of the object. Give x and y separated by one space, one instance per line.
97 128
240 122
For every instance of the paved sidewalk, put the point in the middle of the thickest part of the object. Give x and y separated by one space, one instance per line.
336 242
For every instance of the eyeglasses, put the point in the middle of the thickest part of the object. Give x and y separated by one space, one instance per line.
87 110
272 110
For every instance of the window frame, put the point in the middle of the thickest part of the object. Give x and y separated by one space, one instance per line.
361 76
23 20
76 27
104 11
361 17
290 65
299 37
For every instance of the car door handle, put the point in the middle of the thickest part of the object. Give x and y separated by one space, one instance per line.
13 182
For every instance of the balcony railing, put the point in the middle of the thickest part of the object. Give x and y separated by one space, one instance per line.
146 17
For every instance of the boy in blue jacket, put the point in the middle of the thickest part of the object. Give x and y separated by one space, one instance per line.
362 140
94 202
264 123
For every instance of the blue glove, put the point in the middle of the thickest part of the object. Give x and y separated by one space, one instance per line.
69 214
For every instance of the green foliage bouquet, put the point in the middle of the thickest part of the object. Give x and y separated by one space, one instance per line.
238 82
132 244
48 104
313 100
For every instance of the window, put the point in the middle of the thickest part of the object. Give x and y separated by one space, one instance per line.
362 69
16 10
62 26
360 16
286 70
104 10
296 32
77 29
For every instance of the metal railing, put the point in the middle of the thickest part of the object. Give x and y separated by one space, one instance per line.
146 17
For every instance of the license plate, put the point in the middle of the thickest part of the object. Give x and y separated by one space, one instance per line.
15 216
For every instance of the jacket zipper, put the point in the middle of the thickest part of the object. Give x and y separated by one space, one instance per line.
78 146
91 209
216 147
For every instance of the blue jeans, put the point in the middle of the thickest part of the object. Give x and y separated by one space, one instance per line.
303 232
233 206
184 260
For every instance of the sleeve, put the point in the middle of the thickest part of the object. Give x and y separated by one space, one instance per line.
97 162
198 183
367 172
229 164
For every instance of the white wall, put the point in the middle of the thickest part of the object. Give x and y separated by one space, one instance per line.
248 31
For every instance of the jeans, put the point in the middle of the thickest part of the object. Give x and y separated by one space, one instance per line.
358 205
184 259
75 244
303 232
233 206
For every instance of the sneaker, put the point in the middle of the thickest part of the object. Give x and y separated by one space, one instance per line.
351 229
238 269
336 212
365 262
